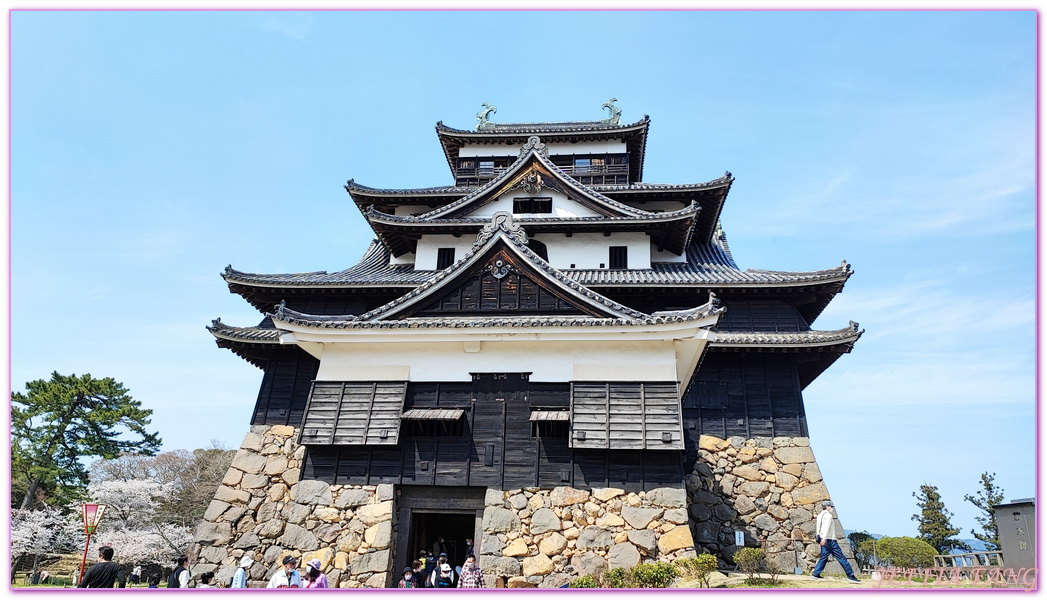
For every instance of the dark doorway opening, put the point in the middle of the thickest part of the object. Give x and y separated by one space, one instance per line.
454 528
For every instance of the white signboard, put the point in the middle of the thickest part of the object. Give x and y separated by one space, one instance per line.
739 538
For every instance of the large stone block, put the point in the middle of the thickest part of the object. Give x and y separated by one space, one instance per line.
490 544
384 492
271 529
232 477
275 465
712 443
816 492
675 515
370 514
566 496
812 473
350 542
372 562
494 498
537 565
325 555
500 520
589 563
753 489
215 510
328 514
252 441
643 538
228 494
676 539
213 534
380 535
312 491
794 454
500 565
254 482
352 499
298 538
247 541
553 544
544 520
248 462
611 520
707 533
282 430
785 480
765 522
668 497
594 538
212 554
623 555
744 505
639 518
748 472
517 547
605 494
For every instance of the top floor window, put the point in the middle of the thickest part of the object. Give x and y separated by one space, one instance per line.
618 257
523 206
444 258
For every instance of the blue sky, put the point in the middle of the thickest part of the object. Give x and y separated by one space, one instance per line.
151 149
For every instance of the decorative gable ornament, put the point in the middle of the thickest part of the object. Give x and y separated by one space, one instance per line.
616 113
503 221
534 143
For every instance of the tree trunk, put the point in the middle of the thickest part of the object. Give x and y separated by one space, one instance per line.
30 493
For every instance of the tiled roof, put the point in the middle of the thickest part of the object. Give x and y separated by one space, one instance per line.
450 190
639 186
534 155
539 128
254 335
708 265
501 231
374 214
849 334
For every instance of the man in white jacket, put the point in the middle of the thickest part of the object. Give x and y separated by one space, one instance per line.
826 537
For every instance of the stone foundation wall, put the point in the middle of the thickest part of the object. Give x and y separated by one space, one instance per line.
263 509
545 538
770 488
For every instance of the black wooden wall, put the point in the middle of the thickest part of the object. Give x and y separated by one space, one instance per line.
744 394
285 387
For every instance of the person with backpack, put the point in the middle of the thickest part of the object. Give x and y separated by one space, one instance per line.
180 576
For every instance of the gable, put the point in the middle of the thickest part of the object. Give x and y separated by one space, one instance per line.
559 204
502 285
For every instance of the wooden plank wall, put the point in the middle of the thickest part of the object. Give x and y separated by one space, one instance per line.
285 388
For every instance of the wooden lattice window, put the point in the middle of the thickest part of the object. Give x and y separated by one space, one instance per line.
444 258
532 205
618 257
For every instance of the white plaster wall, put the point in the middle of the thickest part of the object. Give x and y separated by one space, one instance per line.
588 250
546 361
562 206
425 258
608 147
664 256
659 205
406 259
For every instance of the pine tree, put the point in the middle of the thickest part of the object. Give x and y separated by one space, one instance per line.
934 521
987 498
58 422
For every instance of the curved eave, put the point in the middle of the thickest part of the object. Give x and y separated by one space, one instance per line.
434 197
249 343
635 134
711 195
669 231
812 351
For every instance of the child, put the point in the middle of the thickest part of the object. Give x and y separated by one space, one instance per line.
205 580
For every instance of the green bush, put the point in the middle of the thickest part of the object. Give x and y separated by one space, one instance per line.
585 581
905 552
749 560
654 574
617 577
700 567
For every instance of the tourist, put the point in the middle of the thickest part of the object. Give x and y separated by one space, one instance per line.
444 578
439 546
240 577
468 546
316 577
154 580
136 575
418 574
43 577
471 575
180 576
103 573
286 577
826 536
205 580
406 578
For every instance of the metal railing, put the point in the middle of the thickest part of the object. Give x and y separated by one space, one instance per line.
970 559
